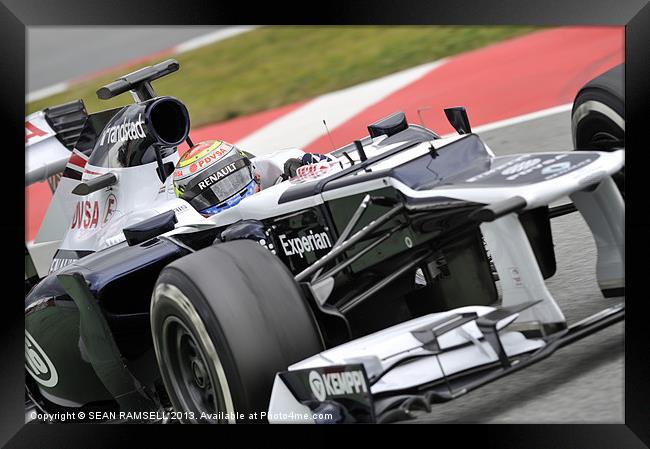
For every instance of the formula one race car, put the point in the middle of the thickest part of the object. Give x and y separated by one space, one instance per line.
408 272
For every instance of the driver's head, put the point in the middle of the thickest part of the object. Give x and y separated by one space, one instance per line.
213 176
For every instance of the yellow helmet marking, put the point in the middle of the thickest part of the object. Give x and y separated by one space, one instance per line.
184 162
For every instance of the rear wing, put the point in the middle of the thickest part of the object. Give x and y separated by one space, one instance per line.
50 138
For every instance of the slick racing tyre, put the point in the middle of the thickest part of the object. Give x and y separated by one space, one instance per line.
224 320
598 115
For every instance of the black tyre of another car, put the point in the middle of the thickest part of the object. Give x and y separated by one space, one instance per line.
598 116
224 320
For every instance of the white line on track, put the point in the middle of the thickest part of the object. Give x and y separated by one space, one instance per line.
209 38
46 91
191 44
305 124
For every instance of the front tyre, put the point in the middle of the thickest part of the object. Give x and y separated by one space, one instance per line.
598 116
224 320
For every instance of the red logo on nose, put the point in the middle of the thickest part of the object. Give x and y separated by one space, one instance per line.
192 168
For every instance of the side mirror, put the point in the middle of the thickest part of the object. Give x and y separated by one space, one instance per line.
95 184
165 170
457 116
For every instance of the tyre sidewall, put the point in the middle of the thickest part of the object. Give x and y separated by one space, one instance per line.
207 337
596 111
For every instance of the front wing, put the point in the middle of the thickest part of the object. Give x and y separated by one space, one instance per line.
401 371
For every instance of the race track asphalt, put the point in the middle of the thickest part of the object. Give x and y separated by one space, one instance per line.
583 382
56 54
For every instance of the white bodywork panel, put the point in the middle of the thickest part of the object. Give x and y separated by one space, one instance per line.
604 211
42 255
536 194
99 217
284 406
519 275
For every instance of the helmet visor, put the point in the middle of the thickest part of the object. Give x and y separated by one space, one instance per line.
220 185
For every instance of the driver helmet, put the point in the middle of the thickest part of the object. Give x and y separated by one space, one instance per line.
215 175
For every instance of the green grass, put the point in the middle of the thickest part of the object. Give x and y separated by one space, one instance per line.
275 66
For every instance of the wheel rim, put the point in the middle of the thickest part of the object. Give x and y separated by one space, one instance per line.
188 317
193 382
602 138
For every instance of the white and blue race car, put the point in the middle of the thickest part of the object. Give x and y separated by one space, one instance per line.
409 271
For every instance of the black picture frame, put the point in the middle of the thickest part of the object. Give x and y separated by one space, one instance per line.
15 15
